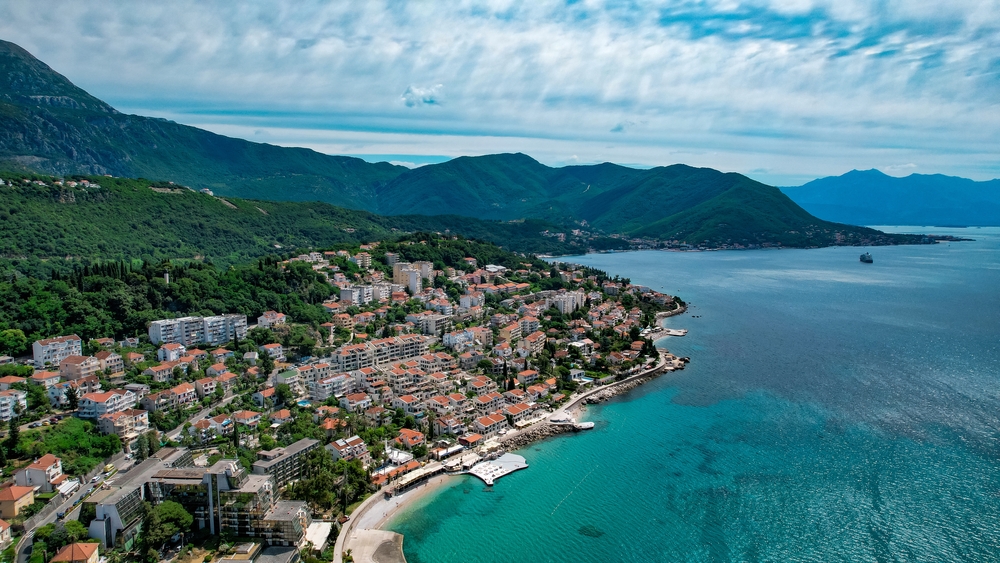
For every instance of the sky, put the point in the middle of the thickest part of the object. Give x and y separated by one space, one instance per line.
781 90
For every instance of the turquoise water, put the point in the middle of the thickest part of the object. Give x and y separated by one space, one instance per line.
832 411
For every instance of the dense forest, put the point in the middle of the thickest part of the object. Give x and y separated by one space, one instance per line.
47 225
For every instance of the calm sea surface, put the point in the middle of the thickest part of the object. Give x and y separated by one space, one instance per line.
832 411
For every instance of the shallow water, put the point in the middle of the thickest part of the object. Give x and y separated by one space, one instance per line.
832 411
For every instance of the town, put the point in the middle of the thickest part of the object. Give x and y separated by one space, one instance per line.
223 436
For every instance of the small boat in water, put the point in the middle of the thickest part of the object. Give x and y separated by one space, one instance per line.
867 258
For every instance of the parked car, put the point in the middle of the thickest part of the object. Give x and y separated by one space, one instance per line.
60 514
96 478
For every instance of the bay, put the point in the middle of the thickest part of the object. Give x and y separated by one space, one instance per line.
832 411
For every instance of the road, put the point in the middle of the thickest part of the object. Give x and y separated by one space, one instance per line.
67 505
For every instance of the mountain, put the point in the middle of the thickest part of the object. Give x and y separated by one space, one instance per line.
49 125
51 225
869 197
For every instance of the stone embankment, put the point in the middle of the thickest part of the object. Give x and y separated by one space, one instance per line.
624 387
664 314
534 433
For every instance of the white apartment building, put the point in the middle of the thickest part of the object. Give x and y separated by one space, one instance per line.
192 330
332 386
53 351
270 318
8 399
357 294
95 405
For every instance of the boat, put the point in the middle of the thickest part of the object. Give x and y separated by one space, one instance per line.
867 258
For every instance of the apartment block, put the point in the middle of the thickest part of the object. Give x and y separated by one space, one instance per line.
53 351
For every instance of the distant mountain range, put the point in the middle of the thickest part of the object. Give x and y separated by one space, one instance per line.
869 197
49 125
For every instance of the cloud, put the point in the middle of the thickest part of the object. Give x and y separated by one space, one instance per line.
899 169
415 96
791 89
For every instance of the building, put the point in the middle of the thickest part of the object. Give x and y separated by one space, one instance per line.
46 379
5 537
284 465
248 418
409 438
95 405
276 351
77 553
490 424
8 399
170 352
270 318
192 330
45 473
128 424
53 351
75 367
350 448
205 387
14 499
110 362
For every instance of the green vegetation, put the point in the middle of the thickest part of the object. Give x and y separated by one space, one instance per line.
160 523
49 125
73 440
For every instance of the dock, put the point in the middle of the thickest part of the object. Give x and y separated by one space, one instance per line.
490 471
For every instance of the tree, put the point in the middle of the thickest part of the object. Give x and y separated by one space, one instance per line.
284 393
13 342
218 394
13 437
72 400
266 363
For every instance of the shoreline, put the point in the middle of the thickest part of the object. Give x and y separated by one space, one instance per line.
375 513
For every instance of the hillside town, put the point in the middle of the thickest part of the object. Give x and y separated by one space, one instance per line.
266 432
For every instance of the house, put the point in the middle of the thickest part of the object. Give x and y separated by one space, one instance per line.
171 352
355 402
276 351
377 415
527 377
53 351
228 379
260 398
75 367
77 553
205 386
5 537
248 418
161 373
488 402
517 413
220 424
133 358
14 499
45 378
515 396
491 424
215 370
350 448
45 473
128 424
409 404
270 318
110 362
409 438
448 425
439 404
536 392
183 395
94 405
8 381
221 354
471 440
282 416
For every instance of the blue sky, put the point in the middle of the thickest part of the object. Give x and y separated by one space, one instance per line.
781 90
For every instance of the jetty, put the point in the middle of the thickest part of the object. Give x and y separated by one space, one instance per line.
490 471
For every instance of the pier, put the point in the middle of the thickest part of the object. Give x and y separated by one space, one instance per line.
490 471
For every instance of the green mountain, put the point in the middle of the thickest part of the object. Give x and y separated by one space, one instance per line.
120 218
49 125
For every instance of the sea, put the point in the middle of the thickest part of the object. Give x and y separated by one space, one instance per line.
832 411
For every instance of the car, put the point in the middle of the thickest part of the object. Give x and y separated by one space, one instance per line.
60 514
95 479
46 423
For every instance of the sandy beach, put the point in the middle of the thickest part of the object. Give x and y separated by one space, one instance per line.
380 513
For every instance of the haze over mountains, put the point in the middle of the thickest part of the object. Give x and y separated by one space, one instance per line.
870 197
49 125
